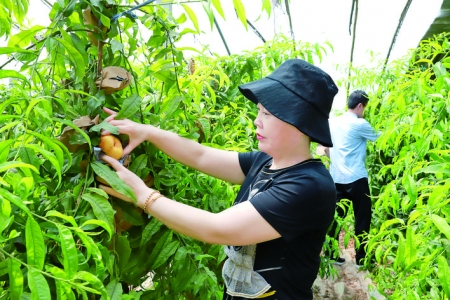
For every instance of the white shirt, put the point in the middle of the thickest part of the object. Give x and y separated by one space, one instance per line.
348 154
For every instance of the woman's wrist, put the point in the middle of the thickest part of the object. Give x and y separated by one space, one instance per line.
148 197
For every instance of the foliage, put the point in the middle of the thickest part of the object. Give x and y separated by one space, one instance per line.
60 235
408 168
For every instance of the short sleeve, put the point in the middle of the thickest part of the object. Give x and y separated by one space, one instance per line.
298 205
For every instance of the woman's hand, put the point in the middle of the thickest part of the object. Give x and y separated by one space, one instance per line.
136 132
138 186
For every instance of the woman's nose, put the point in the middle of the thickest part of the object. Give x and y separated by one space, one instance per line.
257 122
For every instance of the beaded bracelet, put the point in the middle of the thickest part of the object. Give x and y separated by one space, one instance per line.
151 199
148 199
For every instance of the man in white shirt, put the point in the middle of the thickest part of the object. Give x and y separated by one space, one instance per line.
349 133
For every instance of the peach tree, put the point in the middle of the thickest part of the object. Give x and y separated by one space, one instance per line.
61 236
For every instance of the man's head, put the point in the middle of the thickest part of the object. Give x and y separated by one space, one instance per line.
297 93
357 102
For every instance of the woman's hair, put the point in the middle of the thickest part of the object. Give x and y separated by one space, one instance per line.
357 97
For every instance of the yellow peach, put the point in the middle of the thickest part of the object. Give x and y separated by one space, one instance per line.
111 146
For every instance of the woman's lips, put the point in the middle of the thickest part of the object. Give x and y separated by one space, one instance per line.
259 137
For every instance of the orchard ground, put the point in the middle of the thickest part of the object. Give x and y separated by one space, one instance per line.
350 283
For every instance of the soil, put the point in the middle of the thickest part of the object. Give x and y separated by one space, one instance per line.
350 283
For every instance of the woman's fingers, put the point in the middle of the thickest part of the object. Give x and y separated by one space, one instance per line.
109 111
115 164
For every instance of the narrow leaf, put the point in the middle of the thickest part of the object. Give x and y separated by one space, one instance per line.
113 179
114 290
442 225
218 6
15 164
38 285
149 230
240 10
94 281
69 251
123 249
102 209
35 244
129 107
165 254
54 213
444 275
192 16
12 74
75 57
15 279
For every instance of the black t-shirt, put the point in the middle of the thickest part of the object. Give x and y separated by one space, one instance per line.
299 203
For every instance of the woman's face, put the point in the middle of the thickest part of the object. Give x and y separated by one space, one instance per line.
273 134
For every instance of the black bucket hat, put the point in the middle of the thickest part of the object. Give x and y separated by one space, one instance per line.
297 93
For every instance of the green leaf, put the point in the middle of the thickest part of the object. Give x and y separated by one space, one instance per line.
38 285
129 107
14 199
54 213
12 74
105 20
114 290
442 225
35 244
410 247
50 157
15 164
102 209
209 13
123 249
192 16
106 126
170 105
96 223
218 6
138 164
165 254
113 179
94 281
69 251
10 50
4 267
88 242
390 223
20 9
63 288
15 278
116 46
436 168
24 37
53 145
444 274
29 156
267 6
163 250
4 149
240 10
75 57
149 230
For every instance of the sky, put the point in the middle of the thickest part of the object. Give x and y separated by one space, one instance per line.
314 21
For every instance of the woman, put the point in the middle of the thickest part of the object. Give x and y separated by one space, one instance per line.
276 228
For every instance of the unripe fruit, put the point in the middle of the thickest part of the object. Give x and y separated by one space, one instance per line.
111 146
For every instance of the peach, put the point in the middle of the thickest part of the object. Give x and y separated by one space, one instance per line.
111 146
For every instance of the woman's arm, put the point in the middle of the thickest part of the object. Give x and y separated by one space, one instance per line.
238 225
215 162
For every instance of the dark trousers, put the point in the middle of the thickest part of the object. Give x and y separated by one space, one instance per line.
359 194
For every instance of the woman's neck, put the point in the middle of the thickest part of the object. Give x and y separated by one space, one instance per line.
284 162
